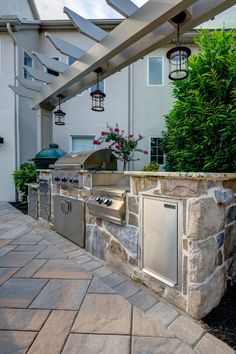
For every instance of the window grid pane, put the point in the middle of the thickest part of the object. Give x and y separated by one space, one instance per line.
155 71
156 151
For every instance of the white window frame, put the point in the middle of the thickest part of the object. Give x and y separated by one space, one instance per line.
164 156
163 71
92 136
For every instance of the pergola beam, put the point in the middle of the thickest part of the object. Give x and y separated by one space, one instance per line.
145 20
125 7
81 76
65 47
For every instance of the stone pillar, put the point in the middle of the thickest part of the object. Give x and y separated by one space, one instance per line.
44 127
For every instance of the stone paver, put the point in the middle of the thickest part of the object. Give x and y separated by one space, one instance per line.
95 344
4 242
61 294
20 292
143 300
51 252
155 345
6 249
16 259
92 265
113 280
13 342
163 313
126 289
57 298
97 287
30 248
187 330
22 319
30 269
62 269
104 314
52 336
210 344
144 325
6 273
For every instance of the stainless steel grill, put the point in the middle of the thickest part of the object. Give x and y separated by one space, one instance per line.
67 168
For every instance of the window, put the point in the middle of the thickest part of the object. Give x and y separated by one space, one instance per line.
28 61
155 71
81 143
52 72
156 151
101 86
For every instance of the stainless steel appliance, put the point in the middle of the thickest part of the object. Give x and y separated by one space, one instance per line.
69 218
161 221
67 168
108 203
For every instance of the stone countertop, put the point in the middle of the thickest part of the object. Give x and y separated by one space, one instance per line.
183 175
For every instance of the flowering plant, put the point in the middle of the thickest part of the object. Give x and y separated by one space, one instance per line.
123 146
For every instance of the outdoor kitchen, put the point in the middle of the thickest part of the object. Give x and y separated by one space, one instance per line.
174 232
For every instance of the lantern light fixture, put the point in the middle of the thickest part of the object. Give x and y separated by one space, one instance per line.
97 95
59 114
178 56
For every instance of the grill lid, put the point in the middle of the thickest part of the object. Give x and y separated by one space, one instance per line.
102 159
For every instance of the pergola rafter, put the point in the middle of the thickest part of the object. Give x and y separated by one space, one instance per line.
146 29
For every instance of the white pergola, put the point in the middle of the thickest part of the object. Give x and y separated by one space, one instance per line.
144 30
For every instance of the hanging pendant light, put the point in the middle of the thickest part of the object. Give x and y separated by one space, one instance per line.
59 114
97 95
178 56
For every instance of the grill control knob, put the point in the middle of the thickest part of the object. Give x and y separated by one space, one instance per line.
98 200
64 179
107 202
57 179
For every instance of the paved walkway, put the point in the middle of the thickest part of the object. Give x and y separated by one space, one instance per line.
56 298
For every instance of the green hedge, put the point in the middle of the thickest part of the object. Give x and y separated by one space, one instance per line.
201 127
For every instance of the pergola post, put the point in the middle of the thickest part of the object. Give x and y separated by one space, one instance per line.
44 126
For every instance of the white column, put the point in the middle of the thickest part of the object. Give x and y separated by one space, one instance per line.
44 127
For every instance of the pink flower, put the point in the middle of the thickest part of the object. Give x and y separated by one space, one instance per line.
131 136
111 129
103 133
95 142
117 130
117 146
145 152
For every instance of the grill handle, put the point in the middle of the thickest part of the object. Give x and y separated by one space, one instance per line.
66 206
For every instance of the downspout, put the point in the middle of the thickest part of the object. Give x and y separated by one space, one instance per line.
130 105
16 106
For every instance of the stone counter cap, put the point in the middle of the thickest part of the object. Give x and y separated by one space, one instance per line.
184 175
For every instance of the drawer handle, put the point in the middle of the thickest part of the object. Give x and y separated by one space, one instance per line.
170 206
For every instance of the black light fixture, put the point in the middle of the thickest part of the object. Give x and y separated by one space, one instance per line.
97 95
59 114
178 56
1 140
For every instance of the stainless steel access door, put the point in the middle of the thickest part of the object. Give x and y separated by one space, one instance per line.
69 219
160 238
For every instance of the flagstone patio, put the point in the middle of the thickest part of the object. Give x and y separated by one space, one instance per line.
56 298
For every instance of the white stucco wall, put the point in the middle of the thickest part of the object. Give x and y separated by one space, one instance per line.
7 120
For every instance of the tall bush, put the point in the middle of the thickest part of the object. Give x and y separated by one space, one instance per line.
201 127
26 174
